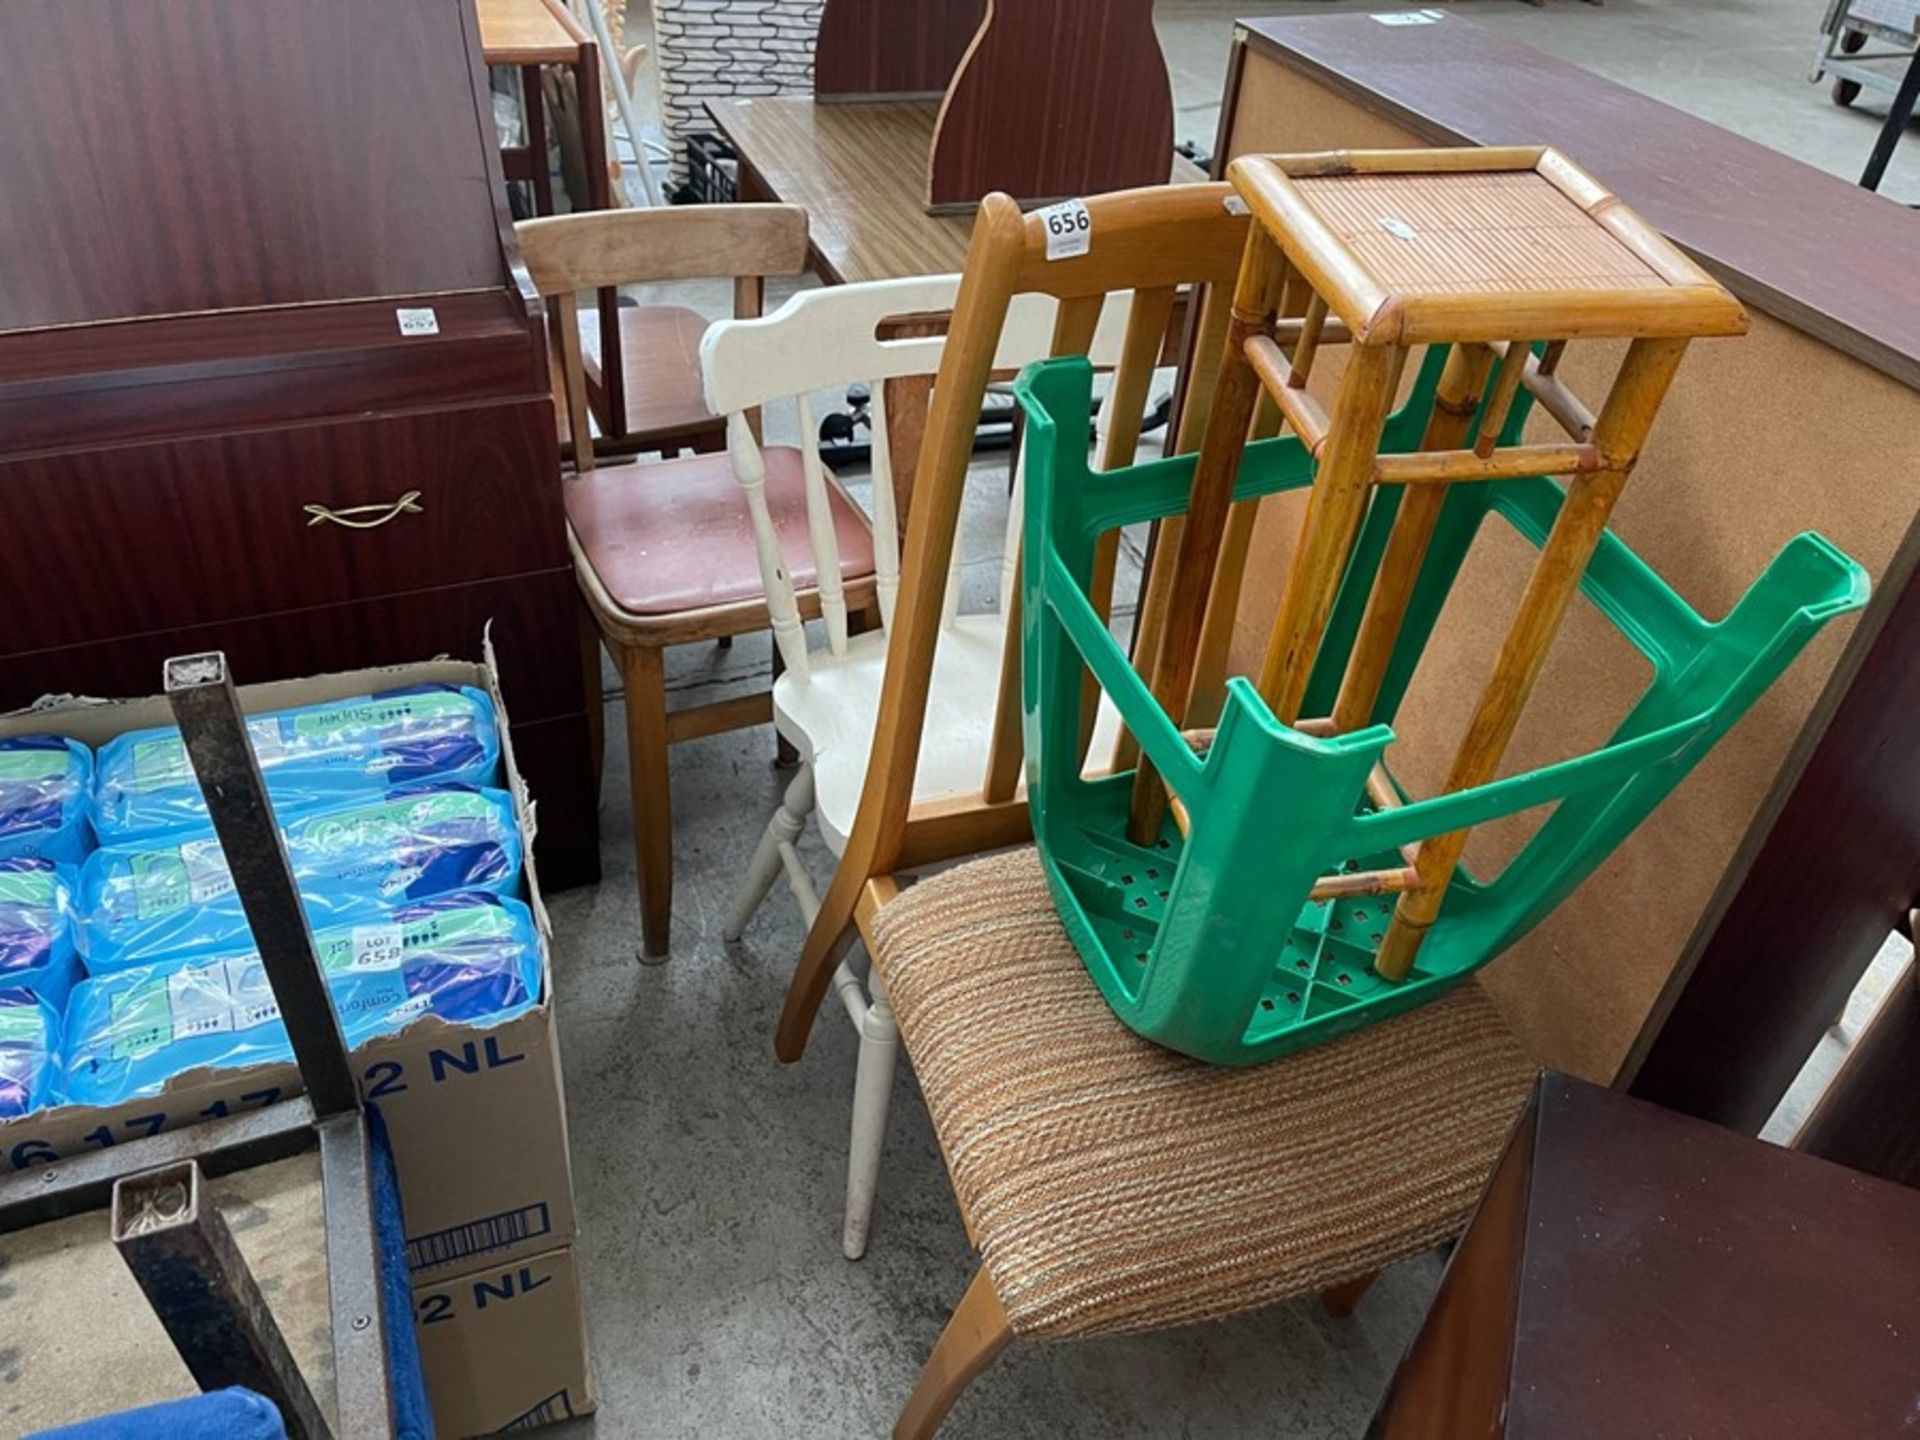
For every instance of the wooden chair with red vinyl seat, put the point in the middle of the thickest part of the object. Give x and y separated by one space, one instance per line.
664 550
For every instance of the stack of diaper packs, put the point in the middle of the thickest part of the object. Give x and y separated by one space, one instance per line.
125 963
46 783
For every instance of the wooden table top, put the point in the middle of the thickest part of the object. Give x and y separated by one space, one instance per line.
860 172
1810 249
528 32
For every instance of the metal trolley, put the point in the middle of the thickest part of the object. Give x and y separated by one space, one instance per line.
1848 28
163 1224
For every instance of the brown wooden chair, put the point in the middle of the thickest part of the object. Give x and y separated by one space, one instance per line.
1110 1185
664 550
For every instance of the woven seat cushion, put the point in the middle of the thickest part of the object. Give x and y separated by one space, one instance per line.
676 536
1116 1186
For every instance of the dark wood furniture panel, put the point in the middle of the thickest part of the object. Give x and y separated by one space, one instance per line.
532 620
1815 894
528 615
1631 1271
269 190
1055 98
224 149
891 47
229 514
86 386
558 769
1869 1118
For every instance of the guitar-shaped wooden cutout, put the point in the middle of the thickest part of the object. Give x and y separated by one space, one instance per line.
902 48
1055 98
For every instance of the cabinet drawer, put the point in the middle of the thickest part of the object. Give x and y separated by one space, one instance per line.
166 536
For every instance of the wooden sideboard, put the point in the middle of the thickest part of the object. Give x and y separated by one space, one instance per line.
1701 964
272 379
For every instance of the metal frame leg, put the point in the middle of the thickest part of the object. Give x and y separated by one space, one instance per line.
183 1256
1898 114
208 711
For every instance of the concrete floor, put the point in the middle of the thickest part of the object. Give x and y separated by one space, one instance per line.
710 1178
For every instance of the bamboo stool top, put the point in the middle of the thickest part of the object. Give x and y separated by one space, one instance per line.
1417 246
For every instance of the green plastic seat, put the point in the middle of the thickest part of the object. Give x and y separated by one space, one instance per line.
1208 943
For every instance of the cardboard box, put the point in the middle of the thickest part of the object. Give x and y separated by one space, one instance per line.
504 1348
477 1114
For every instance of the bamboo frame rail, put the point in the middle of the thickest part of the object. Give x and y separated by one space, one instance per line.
1491 252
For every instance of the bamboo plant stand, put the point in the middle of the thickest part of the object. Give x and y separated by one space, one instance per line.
1488 251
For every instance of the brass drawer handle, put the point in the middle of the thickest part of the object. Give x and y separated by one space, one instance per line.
366 517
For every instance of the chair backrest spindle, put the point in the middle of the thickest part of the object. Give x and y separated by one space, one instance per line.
830 339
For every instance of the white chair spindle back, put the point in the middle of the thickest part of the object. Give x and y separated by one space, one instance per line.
826 543
827 339
783 604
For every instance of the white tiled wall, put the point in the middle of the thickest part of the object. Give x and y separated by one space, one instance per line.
716 48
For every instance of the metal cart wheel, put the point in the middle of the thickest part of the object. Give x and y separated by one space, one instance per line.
1845 92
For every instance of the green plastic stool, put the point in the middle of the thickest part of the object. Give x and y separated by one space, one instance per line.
1209 943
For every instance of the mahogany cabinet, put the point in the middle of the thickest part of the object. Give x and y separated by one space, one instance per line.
272 377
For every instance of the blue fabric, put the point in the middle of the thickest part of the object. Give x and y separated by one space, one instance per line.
233 1414
412 1411
311 757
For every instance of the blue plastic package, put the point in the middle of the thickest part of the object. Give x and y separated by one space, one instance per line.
29 1057
173 896
38 929
311 757
469 958
45 783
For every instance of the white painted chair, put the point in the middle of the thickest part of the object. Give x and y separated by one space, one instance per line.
827 701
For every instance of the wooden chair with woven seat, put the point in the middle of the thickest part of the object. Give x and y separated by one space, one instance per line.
664 551
1109 1184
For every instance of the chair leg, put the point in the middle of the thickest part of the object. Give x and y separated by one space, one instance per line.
595 693
645 675
872 1095
783 829
973 1339
1339 1300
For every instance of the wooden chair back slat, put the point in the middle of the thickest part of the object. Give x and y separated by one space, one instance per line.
1074 327
886 518
596 248
1199 373
1122 416
592 250
573 381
